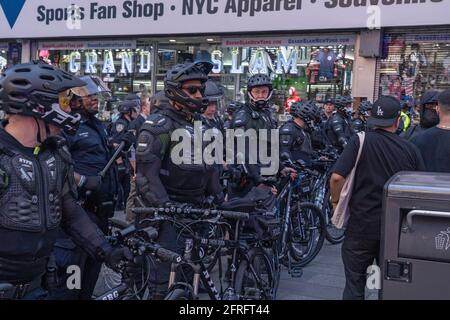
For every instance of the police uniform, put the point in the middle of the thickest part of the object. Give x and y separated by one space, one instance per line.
37 198
295 142
159 180
358 125
338 131
249 118
119 129
90 153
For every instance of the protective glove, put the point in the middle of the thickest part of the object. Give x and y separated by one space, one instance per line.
129 139
92 183
120 259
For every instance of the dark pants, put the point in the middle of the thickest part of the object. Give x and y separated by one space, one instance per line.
67 254
124 188
357 254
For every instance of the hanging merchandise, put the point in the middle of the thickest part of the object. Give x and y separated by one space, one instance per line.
326 58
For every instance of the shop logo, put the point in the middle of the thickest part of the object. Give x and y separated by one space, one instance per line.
12 9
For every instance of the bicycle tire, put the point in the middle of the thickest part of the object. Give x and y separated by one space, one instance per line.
332 234
310 213
258 261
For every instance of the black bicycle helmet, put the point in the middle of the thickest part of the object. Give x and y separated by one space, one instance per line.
259 80
365 106
307 110
341 102
37 90
213 92
181 73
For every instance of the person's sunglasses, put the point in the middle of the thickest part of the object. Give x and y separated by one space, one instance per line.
194 89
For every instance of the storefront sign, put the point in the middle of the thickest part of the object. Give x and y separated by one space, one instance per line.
320 40
428 38
91 59
80 45
260 62
69 18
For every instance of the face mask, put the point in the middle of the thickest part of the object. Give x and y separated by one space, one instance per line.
429 118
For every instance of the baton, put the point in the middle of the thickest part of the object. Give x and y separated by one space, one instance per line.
113 158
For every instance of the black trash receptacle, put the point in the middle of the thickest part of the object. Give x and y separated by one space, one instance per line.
415 237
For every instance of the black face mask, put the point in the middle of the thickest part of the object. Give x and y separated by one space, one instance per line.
429 118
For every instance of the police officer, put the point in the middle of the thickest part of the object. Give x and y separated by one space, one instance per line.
210 117
359 123
37 191
295 141
254 114
159 180
229 112
338 127
134 127
129 110
428 115
91 152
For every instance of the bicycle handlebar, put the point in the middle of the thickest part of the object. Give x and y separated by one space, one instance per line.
236 215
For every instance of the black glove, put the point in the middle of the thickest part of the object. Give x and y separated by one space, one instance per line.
92 183
121 259
129 139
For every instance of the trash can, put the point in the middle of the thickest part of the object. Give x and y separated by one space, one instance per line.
415 237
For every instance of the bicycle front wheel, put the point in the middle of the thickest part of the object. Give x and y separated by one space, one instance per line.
255 276
307 232
333 234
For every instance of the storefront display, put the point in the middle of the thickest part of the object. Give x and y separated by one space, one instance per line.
415 62
3 55
314 65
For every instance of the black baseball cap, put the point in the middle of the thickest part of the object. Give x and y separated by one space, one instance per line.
385 112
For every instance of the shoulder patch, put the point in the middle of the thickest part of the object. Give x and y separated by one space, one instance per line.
157 124
119 127
241 119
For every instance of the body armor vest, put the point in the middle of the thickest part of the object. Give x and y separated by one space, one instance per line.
32 199
186 180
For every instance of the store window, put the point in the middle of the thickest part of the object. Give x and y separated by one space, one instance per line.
320 68
126 66
3 55
415 62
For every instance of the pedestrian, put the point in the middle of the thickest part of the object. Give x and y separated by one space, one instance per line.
434 143
384 154
428 115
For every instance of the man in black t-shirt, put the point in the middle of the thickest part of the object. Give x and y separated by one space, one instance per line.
383 154
434 143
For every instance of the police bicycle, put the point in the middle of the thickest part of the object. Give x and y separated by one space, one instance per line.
302 223
321 194
250 274
141 243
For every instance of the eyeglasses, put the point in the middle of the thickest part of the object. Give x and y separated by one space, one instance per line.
194 89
